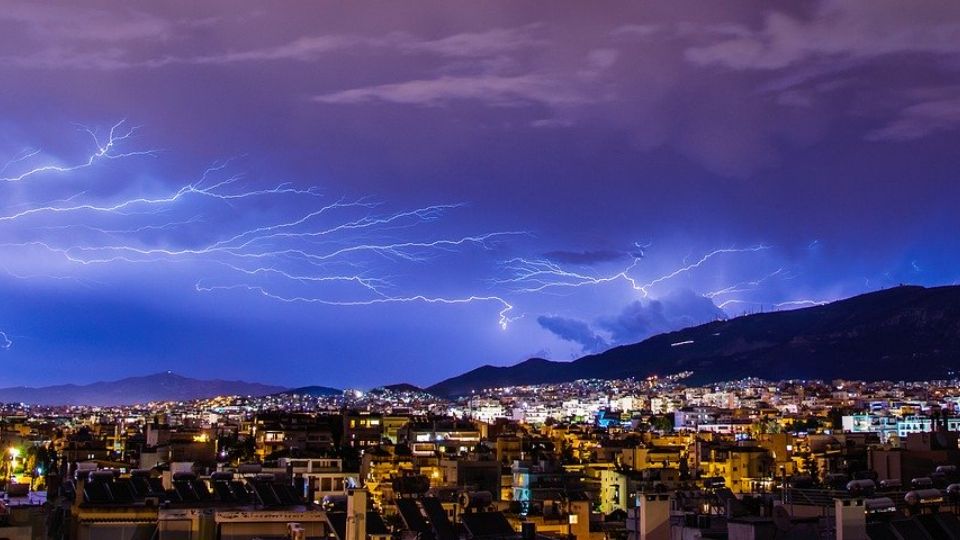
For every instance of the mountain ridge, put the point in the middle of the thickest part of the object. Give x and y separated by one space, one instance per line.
311 390
906 332
164 386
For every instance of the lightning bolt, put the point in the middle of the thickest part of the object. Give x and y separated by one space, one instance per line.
117 134
190 189
744 286
20 157
539 275
530 276
644 288
777 305
322 254
282 242
805 302
504 320
726 303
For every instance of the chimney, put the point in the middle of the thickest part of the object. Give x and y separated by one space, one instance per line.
357 514
851 519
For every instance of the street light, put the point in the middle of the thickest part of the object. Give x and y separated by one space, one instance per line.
14 452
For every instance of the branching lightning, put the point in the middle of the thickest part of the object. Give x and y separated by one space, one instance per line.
744 286
321 254
117 134
798 303
280 242
536 275
700 262
753 285
776 305
504 313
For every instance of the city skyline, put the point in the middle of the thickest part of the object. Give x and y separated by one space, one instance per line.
357 198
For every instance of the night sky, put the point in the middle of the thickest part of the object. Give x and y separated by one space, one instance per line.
354 194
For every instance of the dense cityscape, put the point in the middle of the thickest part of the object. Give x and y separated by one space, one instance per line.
648 459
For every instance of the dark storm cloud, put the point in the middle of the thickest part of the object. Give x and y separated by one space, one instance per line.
927 114
641 319
637 321
573 330
693 125
626 64
833 30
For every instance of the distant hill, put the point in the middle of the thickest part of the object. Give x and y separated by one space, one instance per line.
315 391
903 333
158 387
403 387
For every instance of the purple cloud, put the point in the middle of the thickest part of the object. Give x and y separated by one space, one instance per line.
573 330
680 308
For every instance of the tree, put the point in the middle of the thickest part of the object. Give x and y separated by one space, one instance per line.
662 422
810 466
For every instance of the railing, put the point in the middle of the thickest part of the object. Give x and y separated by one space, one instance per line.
825 497
814 497
32 499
